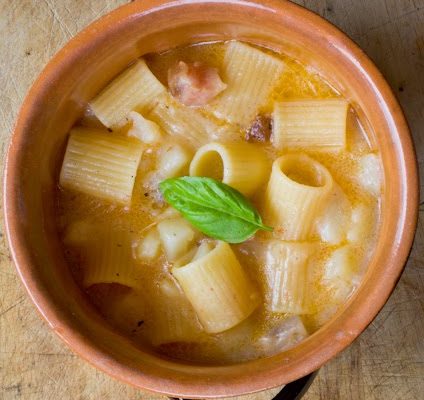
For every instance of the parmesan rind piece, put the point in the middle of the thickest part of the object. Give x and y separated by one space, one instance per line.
250 75
134 89
218 289
310 124
101 164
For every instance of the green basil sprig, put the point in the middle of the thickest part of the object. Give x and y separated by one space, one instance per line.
216 209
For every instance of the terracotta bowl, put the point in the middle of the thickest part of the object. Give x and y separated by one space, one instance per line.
84 66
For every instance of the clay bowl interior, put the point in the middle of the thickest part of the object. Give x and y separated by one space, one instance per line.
84 66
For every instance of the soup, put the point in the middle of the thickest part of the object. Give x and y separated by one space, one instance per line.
218 202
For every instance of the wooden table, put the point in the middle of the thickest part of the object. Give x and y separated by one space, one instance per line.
386 362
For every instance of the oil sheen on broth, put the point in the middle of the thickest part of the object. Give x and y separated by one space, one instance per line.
126 246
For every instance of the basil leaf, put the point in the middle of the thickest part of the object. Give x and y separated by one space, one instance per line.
213 207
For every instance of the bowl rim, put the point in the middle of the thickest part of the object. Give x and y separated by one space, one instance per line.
87 349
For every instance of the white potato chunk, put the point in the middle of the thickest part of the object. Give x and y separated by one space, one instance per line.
369 173
147 131
149 247
176 236
340 272
283 336
361 224
174 161
341 264
333 223
169 212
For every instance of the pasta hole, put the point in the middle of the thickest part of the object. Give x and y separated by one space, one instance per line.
302 173
211 166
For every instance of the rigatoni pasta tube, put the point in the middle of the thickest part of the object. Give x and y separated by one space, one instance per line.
173 317
250 75
296 192
184 122
108 259
218 289
100 164
310 123
241 165
134 89
287 276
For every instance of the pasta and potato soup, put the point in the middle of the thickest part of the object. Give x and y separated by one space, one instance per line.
218 202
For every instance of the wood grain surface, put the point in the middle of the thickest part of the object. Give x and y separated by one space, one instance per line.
386 362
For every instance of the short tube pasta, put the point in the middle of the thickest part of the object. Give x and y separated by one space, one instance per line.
108 259
240 165
286 272
134 89
100 164
173 317
296 192
310 123
185 122
250 75
218 289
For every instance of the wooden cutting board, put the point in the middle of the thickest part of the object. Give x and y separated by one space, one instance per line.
386 362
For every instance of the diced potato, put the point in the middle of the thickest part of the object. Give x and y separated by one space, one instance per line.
176 236
174 162
333 223
147 131
339 272
361 224
369 173
341 264
149 247
283 336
